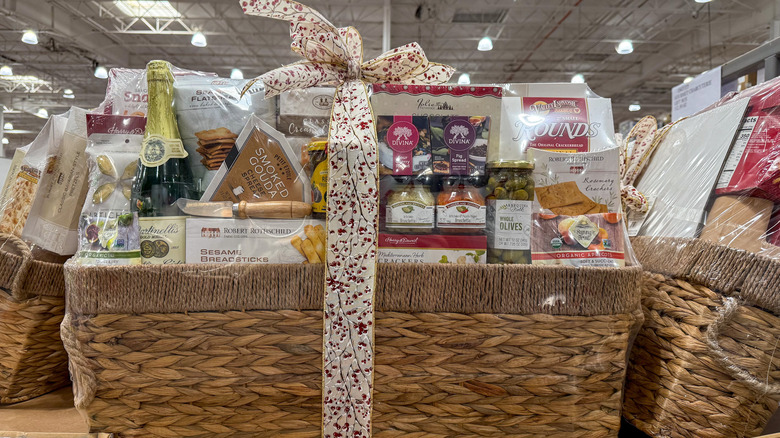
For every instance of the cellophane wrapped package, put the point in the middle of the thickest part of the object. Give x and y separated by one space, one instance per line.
21 188
556 117
211 113
714 175
127 93
52 224
108 228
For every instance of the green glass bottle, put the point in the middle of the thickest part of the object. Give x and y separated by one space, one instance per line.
164 173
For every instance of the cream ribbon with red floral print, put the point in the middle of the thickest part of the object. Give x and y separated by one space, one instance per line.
334 56
647 137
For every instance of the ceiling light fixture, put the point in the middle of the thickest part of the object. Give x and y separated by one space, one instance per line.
485 44
30 37
687 80
42 113
625 47
703 1
8 126
6 71
5 140
578 79
101 72
198 39
634 107
68 94
464 79
236 74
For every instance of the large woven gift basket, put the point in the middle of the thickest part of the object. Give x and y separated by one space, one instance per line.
32 305
236 350
705 363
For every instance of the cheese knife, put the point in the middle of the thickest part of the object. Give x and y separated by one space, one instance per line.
243 209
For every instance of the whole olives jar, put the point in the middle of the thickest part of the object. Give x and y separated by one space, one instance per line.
510 194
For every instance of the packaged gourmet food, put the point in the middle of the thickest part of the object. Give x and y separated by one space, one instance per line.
108 228
52 224
681 175
127 92
510 195
555 117
261 167
584 240
266 241
404 145
303 115
459 144
20 194
210 113
444 101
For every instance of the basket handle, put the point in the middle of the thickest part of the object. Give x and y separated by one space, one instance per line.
21 274
725 315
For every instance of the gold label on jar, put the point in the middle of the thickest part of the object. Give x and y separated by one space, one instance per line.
163 240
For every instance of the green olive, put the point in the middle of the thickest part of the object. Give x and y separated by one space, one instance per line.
520 182
501 193
520 195
508 256
492 181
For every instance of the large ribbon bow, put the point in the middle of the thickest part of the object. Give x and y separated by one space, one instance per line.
334 56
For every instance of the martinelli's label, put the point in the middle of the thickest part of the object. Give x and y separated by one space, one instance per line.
162 240
409 214
156 150
461 214
509 224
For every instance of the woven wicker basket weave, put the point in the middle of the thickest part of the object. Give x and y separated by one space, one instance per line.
705 363
460 350
32 305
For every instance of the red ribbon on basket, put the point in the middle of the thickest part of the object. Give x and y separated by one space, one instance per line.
334 56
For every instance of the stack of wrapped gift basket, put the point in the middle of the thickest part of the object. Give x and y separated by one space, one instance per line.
704 364
311 253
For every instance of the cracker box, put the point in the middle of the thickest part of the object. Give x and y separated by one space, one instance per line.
266 241
420 248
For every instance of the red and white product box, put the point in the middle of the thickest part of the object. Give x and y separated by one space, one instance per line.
753 165
553 117
418 248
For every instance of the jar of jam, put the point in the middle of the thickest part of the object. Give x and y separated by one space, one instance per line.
510 189
410 208
460 207
317 168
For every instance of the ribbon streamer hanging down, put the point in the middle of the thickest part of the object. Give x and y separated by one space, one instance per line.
647 137
334 56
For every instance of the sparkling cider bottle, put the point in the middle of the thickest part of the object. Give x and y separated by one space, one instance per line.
164 173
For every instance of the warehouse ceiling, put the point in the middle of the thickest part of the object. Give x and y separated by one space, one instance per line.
534 41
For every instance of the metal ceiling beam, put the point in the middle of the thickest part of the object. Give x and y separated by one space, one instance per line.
67 23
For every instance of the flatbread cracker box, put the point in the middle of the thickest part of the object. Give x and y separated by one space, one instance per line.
573 184
260 166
